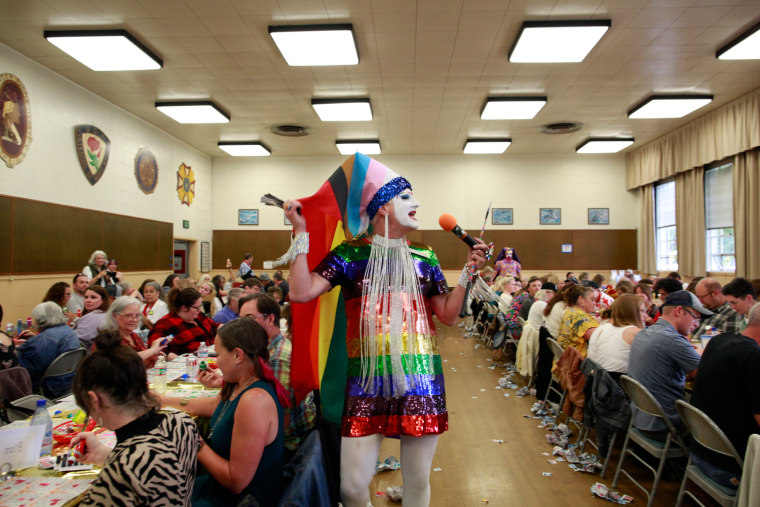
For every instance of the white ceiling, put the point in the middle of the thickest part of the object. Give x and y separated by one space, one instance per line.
426 65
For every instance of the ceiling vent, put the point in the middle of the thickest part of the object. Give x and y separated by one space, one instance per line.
290 130
563 127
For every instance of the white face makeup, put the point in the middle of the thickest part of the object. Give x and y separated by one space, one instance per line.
405 209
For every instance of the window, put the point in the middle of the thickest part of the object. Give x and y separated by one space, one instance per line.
719 219
665 226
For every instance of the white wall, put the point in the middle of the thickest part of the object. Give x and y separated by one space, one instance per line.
51 171
460 185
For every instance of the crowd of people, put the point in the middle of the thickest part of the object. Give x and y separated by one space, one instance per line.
671 337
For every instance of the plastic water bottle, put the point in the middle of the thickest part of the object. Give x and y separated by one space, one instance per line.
159 381
19 327
192 368
9 329
203 352
42 418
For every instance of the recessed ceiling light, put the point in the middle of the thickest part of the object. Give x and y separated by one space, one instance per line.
196 111
512 108
302 45
557 41
604 144
483 146
368 147
744 47
669 106
245 148
104 50
342 109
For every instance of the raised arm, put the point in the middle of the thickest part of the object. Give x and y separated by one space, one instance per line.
447 306
304 285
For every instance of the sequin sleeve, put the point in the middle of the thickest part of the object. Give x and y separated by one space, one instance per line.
333 267
432 281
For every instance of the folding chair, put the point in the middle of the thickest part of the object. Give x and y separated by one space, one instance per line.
707 433
647 403
62 365
557 351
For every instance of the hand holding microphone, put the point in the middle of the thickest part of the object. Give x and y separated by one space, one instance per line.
478 248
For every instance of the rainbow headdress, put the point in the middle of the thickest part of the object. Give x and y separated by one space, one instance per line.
342 208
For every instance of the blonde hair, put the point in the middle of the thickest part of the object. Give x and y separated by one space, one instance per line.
626 311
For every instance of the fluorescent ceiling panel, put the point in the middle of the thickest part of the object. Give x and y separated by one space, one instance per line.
604 145
202 111
486 146
369 147
744 47
312 45
104 50
342 109
512 108
557 41
669 106
245 148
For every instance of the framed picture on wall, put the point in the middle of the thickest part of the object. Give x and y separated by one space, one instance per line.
248 217
501 216
599 216
550 216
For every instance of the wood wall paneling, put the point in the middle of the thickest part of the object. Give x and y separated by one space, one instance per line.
538 249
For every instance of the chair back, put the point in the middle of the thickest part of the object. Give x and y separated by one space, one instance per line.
521 321
15 383
705 431
644 400
64 364
555 347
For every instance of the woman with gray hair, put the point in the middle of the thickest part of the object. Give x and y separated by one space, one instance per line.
53 338
123 316
96 269
153 308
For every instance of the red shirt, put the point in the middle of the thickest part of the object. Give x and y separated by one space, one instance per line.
138 345
187 335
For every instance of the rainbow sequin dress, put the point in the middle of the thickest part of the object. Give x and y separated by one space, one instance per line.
422 409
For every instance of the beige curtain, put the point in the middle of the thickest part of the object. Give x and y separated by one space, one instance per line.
747 213
730 129
648 262
690 220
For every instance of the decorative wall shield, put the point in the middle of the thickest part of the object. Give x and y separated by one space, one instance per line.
93 147
146 170
16 127
185 184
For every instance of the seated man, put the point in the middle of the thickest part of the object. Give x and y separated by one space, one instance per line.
230 312
726 390
78 286
252 286
739 292
662 357
724 319
281 283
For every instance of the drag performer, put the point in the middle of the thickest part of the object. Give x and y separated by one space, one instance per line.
391 288
507 264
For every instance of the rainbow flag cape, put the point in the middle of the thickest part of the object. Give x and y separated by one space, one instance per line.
336 212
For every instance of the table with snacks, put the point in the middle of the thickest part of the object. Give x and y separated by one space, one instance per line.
59 479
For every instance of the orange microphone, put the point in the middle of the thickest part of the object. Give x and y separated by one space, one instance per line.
449 223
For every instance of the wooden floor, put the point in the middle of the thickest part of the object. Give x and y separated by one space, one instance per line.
475 470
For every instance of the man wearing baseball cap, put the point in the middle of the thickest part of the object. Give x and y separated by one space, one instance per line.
662 357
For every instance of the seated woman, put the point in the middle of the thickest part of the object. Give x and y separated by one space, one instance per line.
610 343
153 308
153 462
123 316
555 309
245 446
171 282
89 324
8 358
53 338
221 294
60 293
211 304
186 322
649 310
577 323
524 297
112 267
96 269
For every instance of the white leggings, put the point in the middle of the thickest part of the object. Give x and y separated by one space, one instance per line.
358 459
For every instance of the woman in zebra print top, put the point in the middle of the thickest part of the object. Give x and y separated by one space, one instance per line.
153 462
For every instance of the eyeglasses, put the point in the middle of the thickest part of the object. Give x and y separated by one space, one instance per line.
257 316
199 307
693 315
130 316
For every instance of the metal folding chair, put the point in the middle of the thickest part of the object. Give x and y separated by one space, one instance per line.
62 365
647 403
708 434
555 385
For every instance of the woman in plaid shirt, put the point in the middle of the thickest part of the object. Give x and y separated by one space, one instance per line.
186 322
